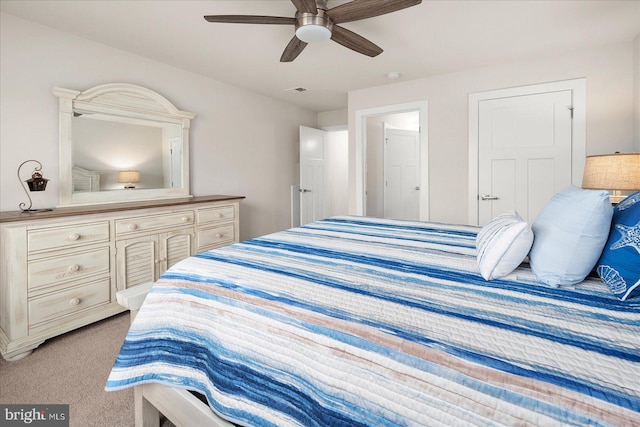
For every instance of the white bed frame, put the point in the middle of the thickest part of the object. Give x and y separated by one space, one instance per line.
180 406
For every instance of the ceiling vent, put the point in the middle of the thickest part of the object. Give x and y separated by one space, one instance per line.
296 89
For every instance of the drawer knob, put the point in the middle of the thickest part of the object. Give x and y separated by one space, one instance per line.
185 219
133 226
74 268
219 235
74 236
220 215
74 301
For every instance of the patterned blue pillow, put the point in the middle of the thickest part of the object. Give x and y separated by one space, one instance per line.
619 265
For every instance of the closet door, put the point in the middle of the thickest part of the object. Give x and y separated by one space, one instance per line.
525 144
524 153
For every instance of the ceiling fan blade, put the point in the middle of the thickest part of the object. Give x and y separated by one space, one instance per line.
355 42
308 6
293 49
363 9
250 19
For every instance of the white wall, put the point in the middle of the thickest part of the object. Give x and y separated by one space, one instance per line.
333 118
609 72
238 138
338 167
636 82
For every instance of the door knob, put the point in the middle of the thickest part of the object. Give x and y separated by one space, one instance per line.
304 190
417 187
488 197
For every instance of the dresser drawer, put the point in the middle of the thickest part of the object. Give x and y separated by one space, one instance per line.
67 236
144 223
210 238
54 270
52 306
216 214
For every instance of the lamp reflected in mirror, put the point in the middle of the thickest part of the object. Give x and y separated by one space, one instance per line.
613 172
129 177
36 183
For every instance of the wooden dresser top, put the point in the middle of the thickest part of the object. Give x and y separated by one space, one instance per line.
11 216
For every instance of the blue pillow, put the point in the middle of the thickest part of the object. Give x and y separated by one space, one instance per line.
619 266
569 235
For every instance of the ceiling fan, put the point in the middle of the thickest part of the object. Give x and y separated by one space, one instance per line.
315 22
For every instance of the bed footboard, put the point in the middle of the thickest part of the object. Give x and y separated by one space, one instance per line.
179 406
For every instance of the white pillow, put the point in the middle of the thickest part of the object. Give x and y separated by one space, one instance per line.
570 234
502 245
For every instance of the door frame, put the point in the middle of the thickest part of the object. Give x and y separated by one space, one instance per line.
361 152
578 129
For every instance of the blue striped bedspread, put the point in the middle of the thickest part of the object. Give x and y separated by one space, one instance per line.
356 321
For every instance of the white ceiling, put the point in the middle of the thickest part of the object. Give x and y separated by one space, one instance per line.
432 38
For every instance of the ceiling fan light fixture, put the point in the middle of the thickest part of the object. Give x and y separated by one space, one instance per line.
313 33
316 23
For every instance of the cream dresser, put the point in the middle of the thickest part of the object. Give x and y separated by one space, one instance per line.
61 270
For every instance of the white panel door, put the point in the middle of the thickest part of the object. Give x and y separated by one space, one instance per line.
524 152
401 174
313 174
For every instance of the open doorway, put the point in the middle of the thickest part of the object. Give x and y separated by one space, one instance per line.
392 180
393 167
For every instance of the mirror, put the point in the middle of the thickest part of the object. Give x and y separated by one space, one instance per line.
121 142
105 146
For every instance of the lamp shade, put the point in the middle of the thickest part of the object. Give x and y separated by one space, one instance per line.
129 176
618 172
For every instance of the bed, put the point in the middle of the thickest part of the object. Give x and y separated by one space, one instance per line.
356 321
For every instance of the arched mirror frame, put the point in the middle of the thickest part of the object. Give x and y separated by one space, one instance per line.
125 100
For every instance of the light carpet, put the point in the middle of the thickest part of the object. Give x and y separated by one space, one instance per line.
73 368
